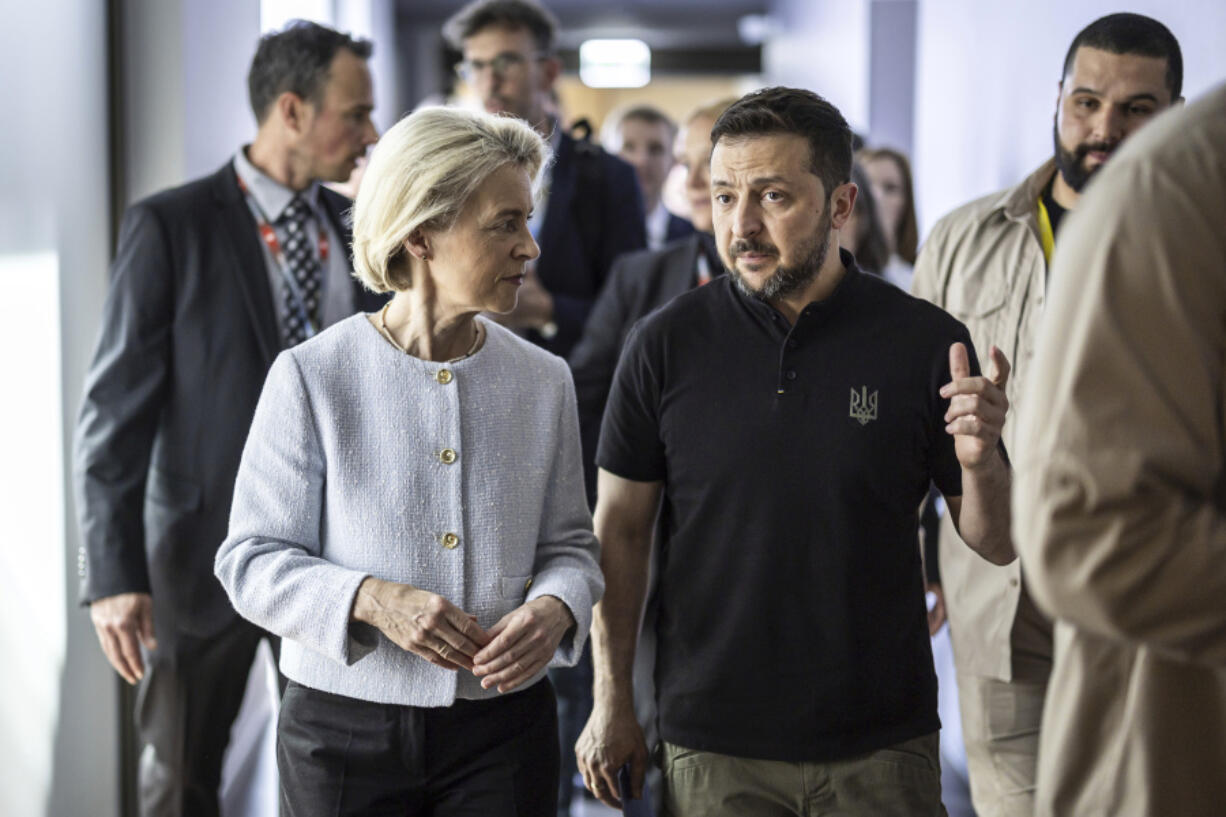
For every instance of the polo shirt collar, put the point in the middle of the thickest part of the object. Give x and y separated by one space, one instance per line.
272 196
842 291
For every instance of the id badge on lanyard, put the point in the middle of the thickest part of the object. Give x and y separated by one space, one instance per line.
269 237
1047 236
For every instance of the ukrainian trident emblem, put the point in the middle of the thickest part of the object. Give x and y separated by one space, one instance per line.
863 405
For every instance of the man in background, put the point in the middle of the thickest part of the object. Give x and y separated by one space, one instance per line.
644 280
590 210
210 282
643 135
987 264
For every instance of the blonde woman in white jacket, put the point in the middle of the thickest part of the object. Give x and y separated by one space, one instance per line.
409 514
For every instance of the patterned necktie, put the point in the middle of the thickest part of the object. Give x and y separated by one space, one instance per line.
305 269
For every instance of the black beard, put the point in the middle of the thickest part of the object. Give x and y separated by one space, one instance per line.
1072 163
785 280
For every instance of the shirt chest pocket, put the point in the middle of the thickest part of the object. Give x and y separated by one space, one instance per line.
984 310
977 298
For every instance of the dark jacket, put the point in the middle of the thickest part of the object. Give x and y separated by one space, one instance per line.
188 333
678 227
594 214
639 283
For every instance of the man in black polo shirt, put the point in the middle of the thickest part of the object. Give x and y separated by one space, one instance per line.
791 416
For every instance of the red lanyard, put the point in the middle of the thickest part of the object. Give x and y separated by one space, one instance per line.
270 236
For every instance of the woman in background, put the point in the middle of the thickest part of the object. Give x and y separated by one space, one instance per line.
861 235
890 175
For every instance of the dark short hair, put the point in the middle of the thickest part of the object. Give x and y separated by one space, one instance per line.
296 59
482 14
649 114
1126 33
799 112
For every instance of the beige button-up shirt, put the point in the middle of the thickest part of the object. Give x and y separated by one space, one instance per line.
1120 485
984 264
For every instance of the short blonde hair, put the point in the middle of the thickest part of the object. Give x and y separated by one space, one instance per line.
420 175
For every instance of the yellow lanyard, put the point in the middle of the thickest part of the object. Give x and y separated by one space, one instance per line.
1047 236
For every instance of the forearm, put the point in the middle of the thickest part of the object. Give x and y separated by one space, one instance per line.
615 622
985 516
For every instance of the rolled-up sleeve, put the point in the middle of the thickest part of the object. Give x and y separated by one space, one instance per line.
567 563
270 563
1119 496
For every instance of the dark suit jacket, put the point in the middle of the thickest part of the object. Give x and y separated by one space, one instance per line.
594 214
678 227
640 283
188 334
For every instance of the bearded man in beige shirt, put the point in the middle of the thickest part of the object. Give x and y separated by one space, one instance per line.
1121 483
987 264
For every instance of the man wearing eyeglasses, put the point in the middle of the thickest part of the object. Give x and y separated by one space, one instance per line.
590 210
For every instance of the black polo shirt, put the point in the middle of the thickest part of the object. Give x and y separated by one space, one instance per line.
792 619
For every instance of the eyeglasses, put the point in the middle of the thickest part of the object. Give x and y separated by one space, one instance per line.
502 65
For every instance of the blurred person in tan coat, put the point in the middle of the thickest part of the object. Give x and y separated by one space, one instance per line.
1120 489
987 263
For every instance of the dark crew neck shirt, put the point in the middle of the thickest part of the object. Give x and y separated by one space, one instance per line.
792 620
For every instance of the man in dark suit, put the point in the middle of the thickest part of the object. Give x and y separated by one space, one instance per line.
642 281
210 281
590 209
643 135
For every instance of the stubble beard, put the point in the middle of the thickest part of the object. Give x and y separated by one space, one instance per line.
788 280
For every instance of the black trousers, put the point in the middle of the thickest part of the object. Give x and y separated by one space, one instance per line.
185 706
342 756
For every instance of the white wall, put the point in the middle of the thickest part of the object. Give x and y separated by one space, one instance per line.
986 84
58 723
823 46
184 66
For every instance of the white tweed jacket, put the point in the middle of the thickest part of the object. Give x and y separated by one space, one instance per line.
462 478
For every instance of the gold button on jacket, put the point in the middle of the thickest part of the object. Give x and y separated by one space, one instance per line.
443 376
447 455
450 541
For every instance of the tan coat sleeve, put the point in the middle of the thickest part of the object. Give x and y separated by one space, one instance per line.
1120 456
